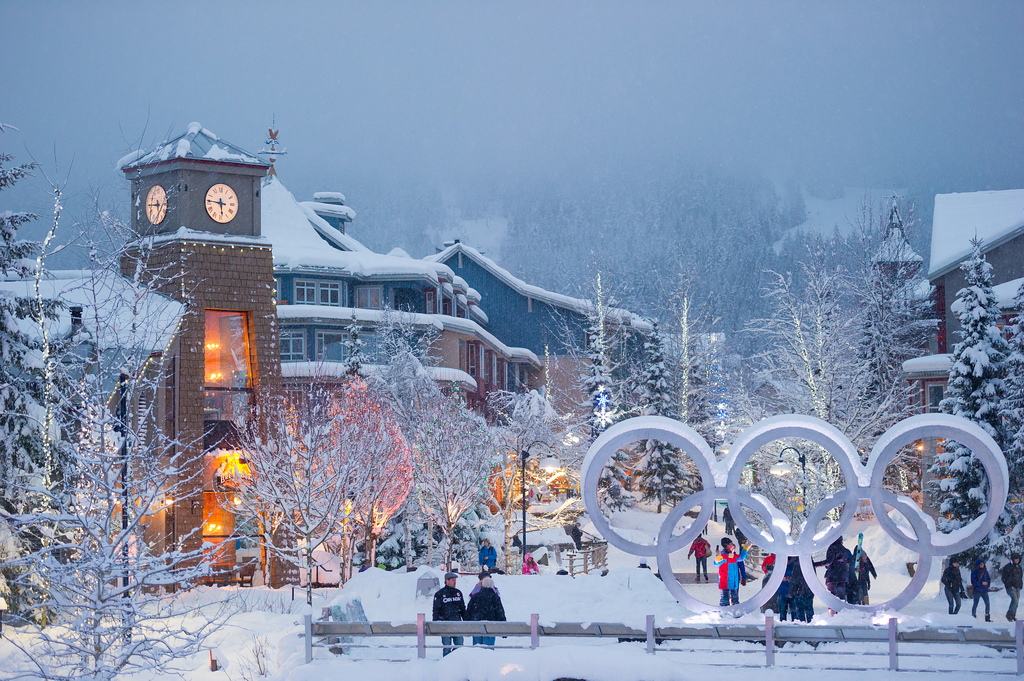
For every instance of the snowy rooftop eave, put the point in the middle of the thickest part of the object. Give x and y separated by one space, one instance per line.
994 216
435 321
929 364
334 210
617 315
1006 292
338 369
116 313
186 234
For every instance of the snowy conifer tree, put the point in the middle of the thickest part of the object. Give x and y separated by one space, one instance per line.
974 392
1006 536
658 470
22 414
353 349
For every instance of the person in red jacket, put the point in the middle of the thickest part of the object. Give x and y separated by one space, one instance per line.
702 549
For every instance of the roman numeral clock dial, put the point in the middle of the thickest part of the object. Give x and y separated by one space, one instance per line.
156 204
221 203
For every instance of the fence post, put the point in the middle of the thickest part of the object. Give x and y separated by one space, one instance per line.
650 634
421 639
534 631
893 659
1018 637
769 638
309 637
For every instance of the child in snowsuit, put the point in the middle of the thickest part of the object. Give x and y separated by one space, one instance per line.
729 572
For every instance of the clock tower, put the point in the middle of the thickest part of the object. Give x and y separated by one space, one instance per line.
196 213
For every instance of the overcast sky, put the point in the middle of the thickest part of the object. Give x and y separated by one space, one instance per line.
870 93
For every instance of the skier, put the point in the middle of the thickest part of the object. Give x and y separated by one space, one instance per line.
485 606
953 585
449 607
729 572
701 548
979 584
1011 574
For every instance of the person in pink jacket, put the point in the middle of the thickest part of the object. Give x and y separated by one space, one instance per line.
530 565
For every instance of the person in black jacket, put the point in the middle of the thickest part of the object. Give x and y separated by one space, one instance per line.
953 585
838 561
801 598
1011 574
485 606
449 607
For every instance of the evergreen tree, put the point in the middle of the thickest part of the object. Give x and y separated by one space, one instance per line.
658 471
22 457
975 391
1007 534
353 349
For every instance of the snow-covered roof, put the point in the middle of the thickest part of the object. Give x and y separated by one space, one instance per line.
186 234
298 237
617 315
1006 292
994 216
338 369
329 197
196 143
116 312
435 321
334 210
929 364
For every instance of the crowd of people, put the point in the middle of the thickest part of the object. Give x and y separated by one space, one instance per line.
848 576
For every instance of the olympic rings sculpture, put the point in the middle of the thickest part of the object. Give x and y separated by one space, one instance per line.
721 482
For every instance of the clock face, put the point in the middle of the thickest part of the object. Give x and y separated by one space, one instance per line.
221 203
156 204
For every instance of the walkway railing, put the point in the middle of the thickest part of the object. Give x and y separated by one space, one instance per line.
772 634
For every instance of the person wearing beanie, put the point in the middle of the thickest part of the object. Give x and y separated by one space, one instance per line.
953 585
1011 574
485 606
979 584
729 572
481 577
449 606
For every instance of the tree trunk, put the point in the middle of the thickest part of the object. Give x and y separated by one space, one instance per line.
408 538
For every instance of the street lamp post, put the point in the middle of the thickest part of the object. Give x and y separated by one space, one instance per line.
524 455
783 468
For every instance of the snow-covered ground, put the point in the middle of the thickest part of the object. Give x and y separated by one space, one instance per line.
626 594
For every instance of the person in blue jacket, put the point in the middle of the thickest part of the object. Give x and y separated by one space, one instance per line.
729 571
487 556
979 582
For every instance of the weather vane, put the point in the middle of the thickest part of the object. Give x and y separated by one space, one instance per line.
271 151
